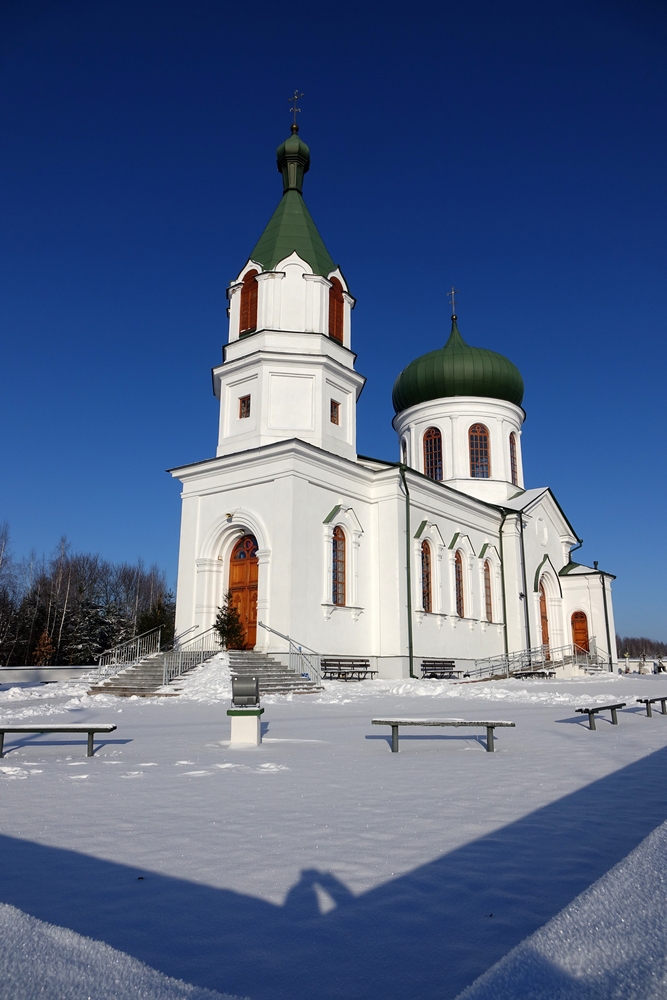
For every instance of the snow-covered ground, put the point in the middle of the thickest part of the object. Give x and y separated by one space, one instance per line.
320 865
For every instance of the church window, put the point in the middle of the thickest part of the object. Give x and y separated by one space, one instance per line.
488 602
513 465
433 454
426 576
544 617
404 451
336 310
580 632
338 567
244 407
478 439
458 573
249 303
334 412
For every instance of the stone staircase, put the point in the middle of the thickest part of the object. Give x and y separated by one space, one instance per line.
142 679
274 678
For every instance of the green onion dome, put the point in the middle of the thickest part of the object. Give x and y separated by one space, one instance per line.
457 370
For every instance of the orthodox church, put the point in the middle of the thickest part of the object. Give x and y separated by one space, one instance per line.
442 554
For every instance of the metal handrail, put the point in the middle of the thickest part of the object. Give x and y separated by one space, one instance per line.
127 653
537 658
190 654
303 660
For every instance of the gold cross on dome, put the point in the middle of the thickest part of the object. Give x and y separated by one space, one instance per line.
452 297
295 100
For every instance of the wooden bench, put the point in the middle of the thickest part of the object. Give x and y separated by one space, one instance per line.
651 701
601 708
440 669
82 727
541 672
395 723
346 669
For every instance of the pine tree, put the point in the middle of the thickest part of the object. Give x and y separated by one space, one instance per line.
43 651
228 625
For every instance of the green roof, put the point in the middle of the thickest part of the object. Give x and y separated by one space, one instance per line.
457 370
291 228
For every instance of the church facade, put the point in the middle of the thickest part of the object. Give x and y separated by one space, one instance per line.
442 554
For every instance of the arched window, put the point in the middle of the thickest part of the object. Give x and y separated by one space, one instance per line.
426 576
249 303
336 310
488 601
458 572
513 466
404 451
580 632
544 617
338 568
478 441
433 454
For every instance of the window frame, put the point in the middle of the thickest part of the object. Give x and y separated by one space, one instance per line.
334 412
336 310
432 449
459 585
338 567
488 591
477 433
244 405
427 576
514 466
248 309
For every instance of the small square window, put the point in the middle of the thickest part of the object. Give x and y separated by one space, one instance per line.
335 412
244 407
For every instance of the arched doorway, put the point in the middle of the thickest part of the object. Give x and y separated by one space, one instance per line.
580 631
243 573
544 619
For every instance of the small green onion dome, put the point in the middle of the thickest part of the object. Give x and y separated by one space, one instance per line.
457 370
293 159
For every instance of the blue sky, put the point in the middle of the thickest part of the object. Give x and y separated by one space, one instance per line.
515 150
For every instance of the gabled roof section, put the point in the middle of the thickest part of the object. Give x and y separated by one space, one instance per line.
291 228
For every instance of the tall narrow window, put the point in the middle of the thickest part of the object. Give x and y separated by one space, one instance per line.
488 602
580 632
404 451
513 466
458 571
338 568
433 454
334 412
544 617
249 303
244 407
426 576
478 440
336 310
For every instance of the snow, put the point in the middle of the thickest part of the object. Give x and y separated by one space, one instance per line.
320 864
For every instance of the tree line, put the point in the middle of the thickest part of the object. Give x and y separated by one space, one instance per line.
637 647
72 606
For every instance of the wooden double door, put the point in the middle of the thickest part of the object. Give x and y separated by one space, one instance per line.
243 575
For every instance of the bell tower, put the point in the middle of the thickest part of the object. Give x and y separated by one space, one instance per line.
288 368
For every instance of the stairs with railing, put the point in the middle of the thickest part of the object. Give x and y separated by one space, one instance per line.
538 659
273 676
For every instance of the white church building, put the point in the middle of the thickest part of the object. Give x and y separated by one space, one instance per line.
442 554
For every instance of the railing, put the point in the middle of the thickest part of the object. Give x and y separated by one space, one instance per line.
303 661
539 658
190 653
126 654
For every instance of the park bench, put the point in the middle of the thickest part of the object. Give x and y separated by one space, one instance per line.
440 669
341 669
543 673
77 727
651 701
395 723
601 708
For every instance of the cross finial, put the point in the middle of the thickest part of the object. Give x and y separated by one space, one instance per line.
452 297
295 111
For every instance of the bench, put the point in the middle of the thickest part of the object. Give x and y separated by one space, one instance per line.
542 673
651 701
601 708
346 669
440 669
395 723
83 727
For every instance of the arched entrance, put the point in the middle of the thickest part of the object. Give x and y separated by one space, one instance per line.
544 619
580 631
243 573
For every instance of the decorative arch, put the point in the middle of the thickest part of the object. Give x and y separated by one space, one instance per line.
480 452
248 317
433 454
336 310
342 541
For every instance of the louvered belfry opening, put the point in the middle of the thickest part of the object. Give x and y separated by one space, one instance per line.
336 307
249 303
433 454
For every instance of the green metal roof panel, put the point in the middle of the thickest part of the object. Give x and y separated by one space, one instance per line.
457 370
291 229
